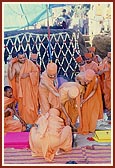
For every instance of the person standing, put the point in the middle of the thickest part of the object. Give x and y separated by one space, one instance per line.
89 63
33 58
86 25
24 75
91 104
70 102
105 69
48 89
81 24
67 19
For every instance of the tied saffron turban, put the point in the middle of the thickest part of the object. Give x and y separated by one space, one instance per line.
51 68
73 92
88 55
34 56
89 74
79 59
109 54
91 49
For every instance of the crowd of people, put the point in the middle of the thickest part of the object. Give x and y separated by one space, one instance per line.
73 20
35 99
86 19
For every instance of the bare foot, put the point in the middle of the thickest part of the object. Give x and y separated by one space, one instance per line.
60 151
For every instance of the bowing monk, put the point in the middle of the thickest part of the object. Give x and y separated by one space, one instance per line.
49 136
10 124
70 102
24 75
91 105
48 89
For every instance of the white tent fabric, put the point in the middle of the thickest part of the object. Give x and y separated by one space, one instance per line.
21 15
17 16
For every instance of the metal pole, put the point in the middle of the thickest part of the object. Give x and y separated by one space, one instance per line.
48 28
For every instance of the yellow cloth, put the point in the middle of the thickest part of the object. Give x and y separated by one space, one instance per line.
102 136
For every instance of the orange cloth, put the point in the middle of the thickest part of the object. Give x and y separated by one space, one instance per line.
92 109
11 125
50 136
93 65
79 59
51 68
8 101
91 49
70 105
107 85
13 83
88 55
89 74
106 82
46 97
27 92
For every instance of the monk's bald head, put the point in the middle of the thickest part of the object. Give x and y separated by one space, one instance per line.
21 57
51 70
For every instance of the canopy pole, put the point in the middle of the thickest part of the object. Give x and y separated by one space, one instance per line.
48 28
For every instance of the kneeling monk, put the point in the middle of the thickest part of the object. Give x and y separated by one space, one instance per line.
49 136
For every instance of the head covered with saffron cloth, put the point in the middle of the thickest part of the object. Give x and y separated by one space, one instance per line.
73 92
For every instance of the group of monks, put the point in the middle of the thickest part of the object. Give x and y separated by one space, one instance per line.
53 111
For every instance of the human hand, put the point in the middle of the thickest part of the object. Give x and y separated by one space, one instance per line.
8 112
56 94
25 75
68 121
13 60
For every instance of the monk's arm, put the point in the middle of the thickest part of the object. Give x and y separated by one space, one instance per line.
11 71
68 121
7 112
49 88
92 93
